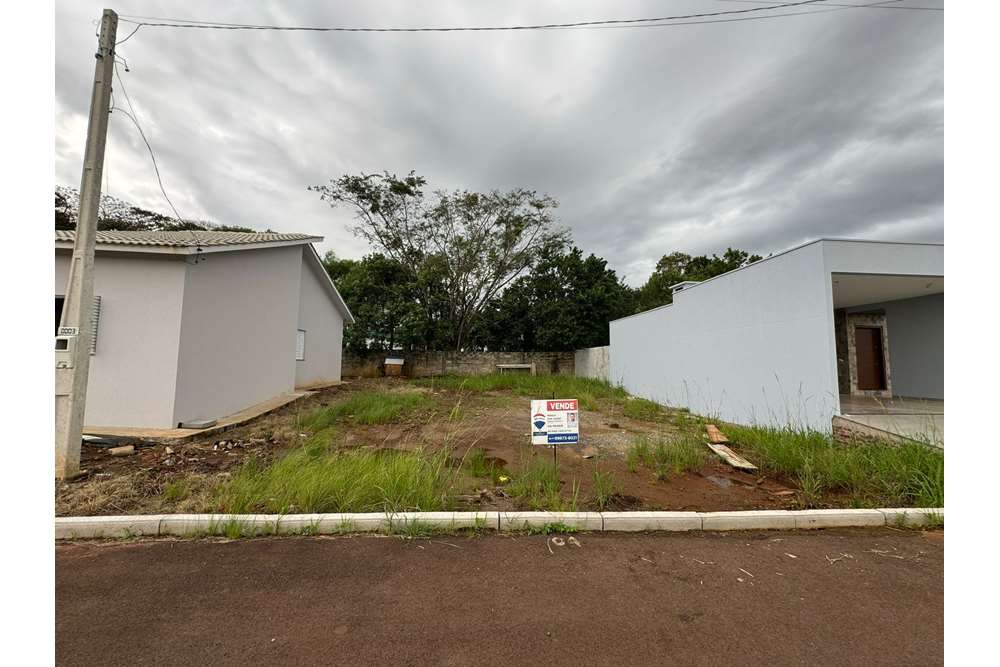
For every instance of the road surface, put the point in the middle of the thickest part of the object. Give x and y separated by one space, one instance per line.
859 596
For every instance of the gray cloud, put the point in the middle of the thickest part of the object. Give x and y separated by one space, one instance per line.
757 134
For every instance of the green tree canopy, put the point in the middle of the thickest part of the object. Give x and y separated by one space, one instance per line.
470 243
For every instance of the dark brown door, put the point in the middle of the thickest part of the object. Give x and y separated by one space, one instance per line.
871 366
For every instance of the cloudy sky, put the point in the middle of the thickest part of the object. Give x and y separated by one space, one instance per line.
755 134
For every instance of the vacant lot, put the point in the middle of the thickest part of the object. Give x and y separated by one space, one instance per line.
463 443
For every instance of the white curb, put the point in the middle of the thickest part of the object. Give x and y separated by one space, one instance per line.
512 521
194 525
909 517
638 521
749 520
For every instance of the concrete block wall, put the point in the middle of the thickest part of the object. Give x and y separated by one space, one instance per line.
424 364
593 362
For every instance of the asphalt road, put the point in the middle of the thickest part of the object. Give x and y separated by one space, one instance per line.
843 597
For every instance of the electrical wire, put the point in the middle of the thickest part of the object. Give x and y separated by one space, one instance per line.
877 5
156 168
160 22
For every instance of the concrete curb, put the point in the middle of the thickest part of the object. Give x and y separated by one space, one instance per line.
198 525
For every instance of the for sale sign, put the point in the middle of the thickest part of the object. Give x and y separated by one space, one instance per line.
555 422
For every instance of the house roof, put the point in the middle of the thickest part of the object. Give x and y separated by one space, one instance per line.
192 240
200 242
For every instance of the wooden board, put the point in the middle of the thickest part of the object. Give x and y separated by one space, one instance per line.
732 458
715 436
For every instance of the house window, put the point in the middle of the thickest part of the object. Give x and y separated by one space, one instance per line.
300 345
95 319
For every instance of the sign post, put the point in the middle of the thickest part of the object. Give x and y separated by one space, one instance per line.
555 422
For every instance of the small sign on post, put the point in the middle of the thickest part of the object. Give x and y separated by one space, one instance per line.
555 422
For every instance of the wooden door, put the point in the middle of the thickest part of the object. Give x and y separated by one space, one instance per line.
870 359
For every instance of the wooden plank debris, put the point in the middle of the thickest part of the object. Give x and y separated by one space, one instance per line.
717 443
715 436
732 458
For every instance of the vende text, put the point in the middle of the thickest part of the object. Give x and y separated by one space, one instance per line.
560 405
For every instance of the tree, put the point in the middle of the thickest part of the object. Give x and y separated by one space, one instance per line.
565 303
475 243
117 214
678 267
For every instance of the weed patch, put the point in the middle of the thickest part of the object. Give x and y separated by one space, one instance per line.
366 407
537 487
643 410
312 481
667 456
605 488
874 474
534 386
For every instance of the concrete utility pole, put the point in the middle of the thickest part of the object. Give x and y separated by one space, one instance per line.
73 339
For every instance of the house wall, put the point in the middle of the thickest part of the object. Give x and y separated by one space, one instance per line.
324 327
916 344
752 346
132 376
238 329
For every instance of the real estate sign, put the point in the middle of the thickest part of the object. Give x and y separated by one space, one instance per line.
555 422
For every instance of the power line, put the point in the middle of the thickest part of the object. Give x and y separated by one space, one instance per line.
160 22
132 117
876 5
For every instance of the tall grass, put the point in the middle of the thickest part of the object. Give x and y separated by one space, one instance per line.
537 487
667 456
873 473
366 407
477 464
310 479
605 488
534 386
643 410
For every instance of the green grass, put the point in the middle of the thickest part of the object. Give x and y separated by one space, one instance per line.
874 474
310 479
605 488
643 410
366 407
477 464
176 490
667 456
587 390
537 487
553 528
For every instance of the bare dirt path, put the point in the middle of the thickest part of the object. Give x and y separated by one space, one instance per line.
871 597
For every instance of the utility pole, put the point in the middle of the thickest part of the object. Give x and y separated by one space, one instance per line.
73 340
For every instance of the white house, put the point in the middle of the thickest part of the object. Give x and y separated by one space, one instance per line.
200 325
832 327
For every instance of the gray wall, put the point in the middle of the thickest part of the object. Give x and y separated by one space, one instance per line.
324 327
422 364
916 344
593 362
238 329
132 376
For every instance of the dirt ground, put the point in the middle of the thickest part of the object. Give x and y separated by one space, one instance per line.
494 421
844 597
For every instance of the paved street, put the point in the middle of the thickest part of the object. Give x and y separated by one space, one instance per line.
865 597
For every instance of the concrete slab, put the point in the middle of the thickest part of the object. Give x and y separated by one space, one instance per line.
751 520
806 519
178 435
637 521
924 428
523 520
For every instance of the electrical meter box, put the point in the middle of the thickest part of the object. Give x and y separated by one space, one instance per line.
65 348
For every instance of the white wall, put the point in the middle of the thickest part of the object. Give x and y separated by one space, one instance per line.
752 346
323 324
132 375
238 328
593 362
